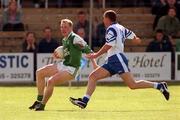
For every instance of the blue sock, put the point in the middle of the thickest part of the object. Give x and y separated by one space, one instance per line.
159 86
86 98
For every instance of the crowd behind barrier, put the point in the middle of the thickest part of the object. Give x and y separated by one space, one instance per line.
20 18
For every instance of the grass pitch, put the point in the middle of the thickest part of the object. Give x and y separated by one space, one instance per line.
107 103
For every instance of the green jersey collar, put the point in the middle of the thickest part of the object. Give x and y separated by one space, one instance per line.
68 35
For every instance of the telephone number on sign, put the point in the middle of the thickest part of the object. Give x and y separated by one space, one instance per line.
15 76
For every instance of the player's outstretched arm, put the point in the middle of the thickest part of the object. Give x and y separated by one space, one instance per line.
103 50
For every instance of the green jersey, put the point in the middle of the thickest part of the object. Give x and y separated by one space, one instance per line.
72 51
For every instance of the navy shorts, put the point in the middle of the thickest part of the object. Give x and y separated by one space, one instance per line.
117 64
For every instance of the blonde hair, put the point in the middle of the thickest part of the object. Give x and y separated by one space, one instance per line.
67 21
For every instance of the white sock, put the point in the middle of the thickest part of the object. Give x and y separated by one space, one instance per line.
155 85
87 96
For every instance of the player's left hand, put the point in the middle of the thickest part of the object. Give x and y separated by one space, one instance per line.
91 55
136 41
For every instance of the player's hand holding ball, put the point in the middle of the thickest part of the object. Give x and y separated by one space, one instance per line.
136 41
58 53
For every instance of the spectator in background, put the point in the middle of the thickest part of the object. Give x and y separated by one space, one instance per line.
100 35
82 23
169 23
81 33
177 45
47 44
175 4
12 18
156 5
5 3
29 45
161 7
157 9
162 43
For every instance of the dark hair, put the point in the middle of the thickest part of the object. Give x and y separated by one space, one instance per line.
31 33
81 13
111 15
47 27
159 31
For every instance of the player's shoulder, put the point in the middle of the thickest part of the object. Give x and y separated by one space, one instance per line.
115 26
77 37
112 26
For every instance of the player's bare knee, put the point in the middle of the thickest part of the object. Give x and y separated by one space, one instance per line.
50 82
38 72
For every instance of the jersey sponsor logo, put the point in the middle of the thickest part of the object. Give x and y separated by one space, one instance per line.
66 52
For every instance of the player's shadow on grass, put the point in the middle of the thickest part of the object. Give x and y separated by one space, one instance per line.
121 111
63 110
104 111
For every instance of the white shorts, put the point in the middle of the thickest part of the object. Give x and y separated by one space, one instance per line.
72 70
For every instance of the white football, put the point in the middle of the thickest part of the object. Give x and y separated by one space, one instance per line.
60 52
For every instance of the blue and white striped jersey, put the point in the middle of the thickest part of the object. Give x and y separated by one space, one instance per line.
116 35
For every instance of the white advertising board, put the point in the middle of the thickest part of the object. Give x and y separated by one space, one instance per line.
45 59
16 67
148 66
145 65
177 66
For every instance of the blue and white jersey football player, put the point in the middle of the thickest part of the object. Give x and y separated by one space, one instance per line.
117 62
